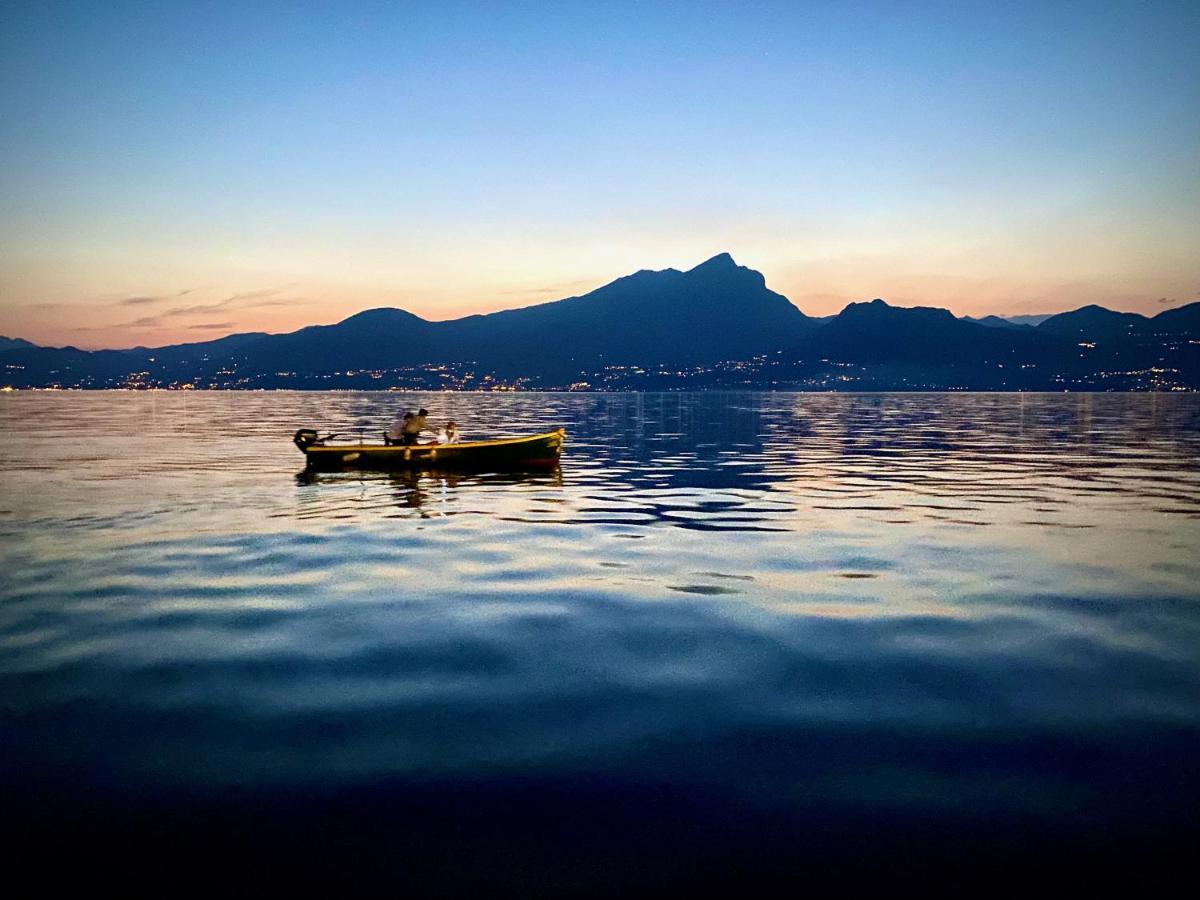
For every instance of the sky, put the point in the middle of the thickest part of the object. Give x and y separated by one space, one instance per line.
179 171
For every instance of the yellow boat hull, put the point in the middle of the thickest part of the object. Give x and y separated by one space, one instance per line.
539 451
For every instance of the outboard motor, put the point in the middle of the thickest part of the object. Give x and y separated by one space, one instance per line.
304 438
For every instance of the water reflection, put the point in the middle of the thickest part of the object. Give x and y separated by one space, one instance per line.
428 492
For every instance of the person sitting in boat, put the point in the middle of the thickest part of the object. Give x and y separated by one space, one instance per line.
407 428
395 434
449 434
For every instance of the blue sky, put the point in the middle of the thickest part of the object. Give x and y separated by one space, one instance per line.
265 166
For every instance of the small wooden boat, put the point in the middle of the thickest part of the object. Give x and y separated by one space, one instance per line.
538 451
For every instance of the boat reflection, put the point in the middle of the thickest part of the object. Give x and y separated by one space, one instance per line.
429 493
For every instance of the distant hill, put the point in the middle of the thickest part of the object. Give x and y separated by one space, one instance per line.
376 338
996 322
879 346
230 342
1095 323
1037 319
1183 320
888 347
1090 323
7 343
877 332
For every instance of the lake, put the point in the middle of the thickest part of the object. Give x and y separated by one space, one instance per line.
737 639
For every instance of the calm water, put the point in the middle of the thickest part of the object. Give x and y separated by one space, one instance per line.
737 637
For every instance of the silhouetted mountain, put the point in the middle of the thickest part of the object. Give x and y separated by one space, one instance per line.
7 343
717 325
994 322
716 311
880 346
1035 320
375 338
230 342
69 366
1093 323
1184 320
877 332
912 342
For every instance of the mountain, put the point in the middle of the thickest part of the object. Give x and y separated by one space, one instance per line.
718 310
1094 323
716 325
877 333
995 322
880 347
1184 320
7 343
69 366
1026 319
715 311
374 339
229 342
1135 338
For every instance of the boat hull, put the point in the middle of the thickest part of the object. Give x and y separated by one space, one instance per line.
539 451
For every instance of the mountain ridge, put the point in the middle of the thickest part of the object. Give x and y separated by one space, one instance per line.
717 321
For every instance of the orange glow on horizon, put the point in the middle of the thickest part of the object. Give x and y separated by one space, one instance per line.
159 317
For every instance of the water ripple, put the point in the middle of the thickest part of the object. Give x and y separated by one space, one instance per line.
834 603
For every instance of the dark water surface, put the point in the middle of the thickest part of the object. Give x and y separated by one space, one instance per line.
737 639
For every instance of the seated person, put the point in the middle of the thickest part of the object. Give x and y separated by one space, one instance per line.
399 432
449 434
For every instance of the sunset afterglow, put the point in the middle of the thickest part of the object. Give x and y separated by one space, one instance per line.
179 173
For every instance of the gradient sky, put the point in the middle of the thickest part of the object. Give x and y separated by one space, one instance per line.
174 171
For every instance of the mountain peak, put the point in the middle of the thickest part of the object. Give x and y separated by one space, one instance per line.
720 261
877 305
381 315
879 310
1093 322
